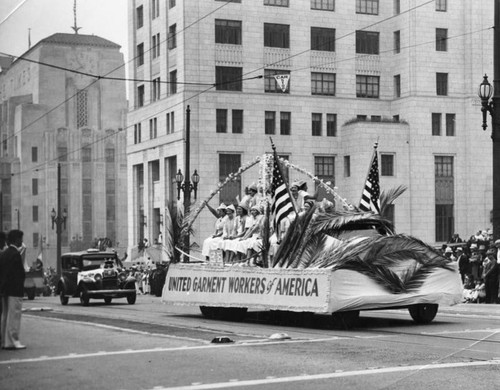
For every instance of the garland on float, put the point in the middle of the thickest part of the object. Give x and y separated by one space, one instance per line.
264 182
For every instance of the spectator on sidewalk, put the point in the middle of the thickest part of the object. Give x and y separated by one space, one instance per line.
12 275
490 276
464 266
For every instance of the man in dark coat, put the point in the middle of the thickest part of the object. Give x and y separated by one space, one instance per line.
12 275
464 266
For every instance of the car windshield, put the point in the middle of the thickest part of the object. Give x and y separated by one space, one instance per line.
90 264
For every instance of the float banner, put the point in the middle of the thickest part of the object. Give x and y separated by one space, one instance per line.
257 288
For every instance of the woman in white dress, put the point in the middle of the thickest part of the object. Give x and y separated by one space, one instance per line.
234 233
212 242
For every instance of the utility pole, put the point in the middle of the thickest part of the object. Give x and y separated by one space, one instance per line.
58 220
187 183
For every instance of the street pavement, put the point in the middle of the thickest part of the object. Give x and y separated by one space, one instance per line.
155 346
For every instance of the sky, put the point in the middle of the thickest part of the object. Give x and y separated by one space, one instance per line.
105 18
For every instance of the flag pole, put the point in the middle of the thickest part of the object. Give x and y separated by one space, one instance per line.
374 155
281 173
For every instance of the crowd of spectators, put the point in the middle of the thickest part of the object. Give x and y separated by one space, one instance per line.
478 260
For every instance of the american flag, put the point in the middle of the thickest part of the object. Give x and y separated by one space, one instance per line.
371 193
281 201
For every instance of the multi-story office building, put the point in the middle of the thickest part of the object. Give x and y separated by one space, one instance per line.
402 73
50 116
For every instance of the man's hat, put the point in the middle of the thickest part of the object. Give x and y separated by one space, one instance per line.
253 187
231 208
222 206
459 249
448 250
497 242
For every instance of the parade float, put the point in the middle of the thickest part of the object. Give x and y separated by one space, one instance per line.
339 260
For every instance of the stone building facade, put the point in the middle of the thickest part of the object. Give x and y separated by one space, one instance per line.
53 116
402 73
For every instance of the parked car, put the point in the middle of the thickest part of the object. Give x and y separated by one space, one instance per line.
94 274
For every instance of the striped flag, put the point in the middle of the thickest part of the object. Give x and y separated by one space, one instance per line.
371 193
281 201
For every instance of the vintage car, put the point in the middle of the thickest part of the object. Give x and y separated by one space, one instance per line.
94 274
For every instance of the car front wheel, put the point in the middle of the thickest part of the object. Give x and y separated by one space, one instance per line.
64 299
84 297
131 298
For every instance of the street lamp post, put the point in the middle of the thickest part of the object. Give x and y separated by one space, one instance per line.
185 184
58 219
493 107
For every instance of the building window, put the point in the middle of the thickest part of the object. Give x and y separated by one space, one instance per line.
362 118
386 164
62 153
140 96
137 133
367 7
277 35
173 82
228 78
331 125
170 122
323 5
221 121
140 54
367 86
441 5
171 3
155 8
441 39
347 166
153 129
442 84
81 108
172 37
397 86
229 163
36 240
397 42
139 16
376 118
450 125
35 213
367 42
316 124
322 39
285 123
155 45
34 154
86 154
34 186
109 155
228 31
270 122
237 121
324 169
397 7
436 124
395 118
323 84
270 83
444 197
277 3
156 91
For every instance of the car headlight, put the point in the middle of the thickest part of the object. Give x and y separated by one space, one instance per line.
98 277
122 276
